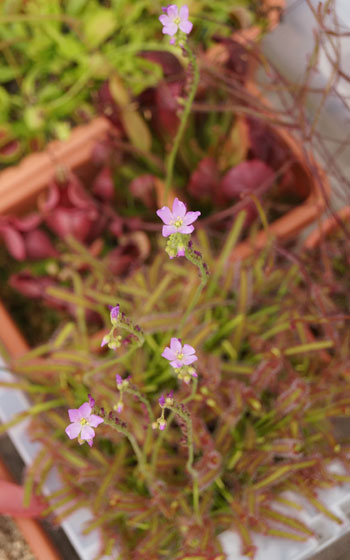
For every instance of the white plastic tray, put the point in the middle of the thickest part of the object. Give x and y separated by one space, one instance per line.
11 402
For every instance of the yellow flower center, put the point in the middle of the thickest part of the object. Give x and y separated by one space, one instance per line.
83 422
177 20
180 356
178 222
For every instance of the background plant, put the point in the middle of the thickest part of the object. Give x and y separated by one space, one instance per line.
54 56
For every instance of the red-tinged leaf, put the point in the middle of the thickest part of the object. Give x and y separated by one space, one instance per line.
205 180
70 221
10 150
265 144
77 195
39 246
165 115
245 178
11 501
116 226
134 249
169 63
101 153
103 186
29 285
50 199
26 223
143 187
14 242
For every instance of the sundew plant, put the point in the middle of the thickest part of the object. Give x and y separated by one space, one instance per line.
206 402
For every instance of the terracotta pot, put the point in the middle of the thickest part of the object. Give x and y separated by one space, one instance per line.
310 182
327 227
21 184
34 535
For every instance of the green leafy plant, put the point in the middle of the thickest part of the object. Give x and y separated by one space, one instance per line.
55 55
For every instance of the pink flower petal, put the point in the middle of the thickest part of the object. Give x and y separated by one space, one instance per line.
179 209
187 360
185 229
169 230
74 415
73 430
184 12
165 20
85 410
186 26
188 350
190 218
176 364
175 345
170 29
165 215
87 433
172 11
168 354
95 420
90 442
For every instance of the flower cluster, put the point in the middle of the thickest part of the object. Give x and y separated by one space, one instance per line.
181 358
113 342
174 20
83 423
178 226
164 402
122 384
118 319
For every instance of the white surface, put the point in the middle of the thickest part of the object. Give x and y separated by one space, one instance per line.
336 499
11 402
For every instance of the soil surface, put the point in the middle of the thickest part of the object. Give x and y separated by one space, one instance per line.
12 545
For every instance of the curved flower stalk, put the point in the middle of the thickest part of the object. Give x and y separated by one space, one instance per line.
176 24
118 319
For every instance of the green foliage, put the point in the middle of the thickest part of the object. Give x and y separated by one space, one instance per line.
261 415
55 55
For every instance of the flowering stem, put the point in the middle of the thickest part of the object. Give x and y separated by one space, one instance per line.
195 258
183 122
124 323
161 435
145 401
189 465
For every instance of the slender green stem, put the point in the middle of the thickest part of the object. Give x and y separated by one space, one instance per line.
136 448
183 122
145 401
197 260
189 465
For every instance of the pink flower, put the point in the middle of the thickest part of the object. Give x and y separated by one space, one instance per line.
179 355
114 312
173 20
178 220
83 423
